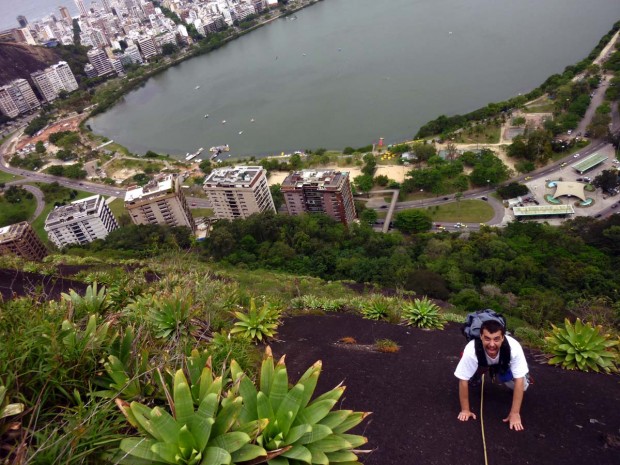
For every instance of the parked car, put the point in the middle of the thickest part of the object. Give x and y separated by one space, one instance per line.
484 198
576 155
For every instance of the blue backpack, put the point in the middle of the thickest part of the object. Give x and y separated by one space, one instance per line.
471 328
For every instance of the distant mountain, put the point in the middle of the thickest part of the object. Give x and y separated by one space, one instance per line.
19 60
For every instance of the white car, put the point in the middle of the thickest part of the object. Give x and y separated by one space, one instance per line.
576 155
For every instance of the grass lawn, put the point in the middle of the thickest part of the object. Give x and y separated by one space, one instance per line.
542 108
118 208
489 135
202 212
6 177
466 211
11 213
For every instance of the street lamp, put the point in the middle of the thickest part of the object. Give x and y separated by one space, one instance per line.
488 183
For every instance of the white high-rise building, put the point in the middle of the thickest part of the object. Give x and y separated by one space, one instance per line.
147 47
81 8
161 201
67 79
23 95
238 192
54 79
100 61
134 53
80 222
7 105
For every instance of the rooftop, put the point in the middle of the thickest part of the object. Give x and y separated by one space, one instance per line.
77 208
323 179
12 231
156 186
544 210
238 176
589 162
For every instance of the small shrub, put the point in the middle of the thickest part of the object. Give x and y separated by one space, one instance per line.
582 347
530 336
453 317
257 324
386 346
347 340
423 313
377 308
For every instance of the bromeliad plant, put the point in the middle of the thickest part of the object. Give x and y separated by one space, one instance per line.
257 324
582 347
423 313
126 371
94 301
377 307
308 432
202 426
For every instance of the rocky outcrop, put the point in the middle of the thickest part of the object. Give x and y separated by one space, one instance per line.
19 60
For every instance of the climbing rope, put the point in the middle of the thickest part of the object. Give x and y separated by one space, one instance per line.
484 441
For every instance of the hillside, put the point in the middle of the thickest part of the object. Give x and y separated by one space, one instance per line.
81 358
18 60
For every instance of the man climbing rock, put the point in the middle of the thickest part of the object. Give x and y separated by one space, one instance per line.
499 356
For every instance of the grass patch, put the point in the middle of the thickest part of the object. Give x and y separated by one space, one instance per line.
283 286
7 177
541 108
132 164
486 134
466 211
118 208
11 213
204 212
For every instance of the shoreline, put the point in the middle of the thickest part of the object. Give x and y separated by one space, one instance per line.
534 93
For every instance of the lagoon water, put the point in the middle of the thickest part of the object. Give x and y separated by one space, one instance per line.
346 72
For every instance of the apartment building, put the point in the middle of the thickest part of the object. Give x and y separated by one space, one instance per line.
17 97
23 95
133 52
7 105
54 79
147 47
320 191
21 240
100 61
80 222
161 201
238 192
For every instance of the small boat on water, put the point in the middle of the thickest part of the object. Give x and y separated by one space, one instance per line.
252 120
197 87
219 149
207 115
223 121
240 132
194 155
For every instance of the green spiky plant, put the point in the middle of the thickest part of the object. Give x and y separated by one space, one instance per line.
94 301
201 425
257 324
422 313
308 432
377 308
125 371
582 347
171 314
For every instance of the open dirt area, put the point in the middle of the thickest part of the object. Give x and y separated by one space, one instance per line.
569 417
67 124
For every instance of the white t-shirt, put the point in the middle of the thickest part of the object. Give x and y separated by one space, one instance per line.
469 362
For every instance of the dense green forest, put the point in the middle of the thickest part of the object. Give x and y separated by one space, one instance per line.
533 271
